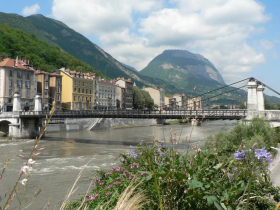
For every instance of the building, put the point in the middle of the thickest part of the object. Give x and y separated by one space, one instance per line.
43 88
128 85
195 103
120 97
77 90
106 95
55 90
18 76
170 103
181 101
158 95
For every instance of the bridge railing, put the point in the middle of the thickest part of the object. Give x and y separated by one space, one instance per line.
141 113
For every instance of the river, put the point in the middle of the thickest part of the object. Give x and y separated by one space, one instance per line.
66 153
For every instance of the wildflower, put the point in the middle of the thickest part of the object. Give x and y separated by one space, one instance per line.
25 169
254 145
133 153
30 162
35 154
23 182
240 155
21 155
39 149
263 155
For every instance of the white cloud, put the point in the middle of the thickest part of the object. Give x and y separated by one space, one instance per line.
266 44
134 31
30 10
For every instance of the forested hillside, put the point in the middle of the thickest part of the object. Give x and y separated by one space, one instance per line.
15 42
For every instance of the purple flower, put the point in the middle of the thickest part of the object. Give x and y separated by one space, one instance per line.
240 155
263 155
133 153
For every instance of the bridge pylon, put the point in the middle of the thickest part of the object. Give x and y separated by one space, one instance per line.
255 100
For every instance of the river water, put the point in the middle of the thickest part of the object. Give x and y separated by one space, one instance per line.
66 153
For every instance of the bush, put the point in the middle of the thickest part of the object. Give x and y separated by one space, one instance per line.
195 179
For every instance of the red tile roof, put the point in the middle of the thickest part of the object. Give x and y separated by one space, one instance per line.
8 62
55 74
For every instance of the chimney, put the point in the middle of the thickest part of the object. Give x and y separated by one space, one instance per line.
16 62
118 78
129 79
122 78
1 58
67 70
99 79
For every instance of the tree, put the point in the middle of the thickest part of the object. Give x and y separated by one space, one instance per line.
149 102
138 98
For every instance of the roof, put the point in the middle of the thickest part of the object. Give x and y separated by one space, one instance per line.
42 72
55 74
8 62
108 83
128 81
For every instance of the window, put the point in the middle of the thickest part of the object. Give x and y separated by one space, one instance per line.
83 84
74 98
58 97
46 85
58 89
79 98
26 101
27 75
46 78
89 91
86 91
19 83
79 83
86 84
10 82
27 94
89 99
83 91
83 98
11 73
19 74
46 93
10 92
46 101
75 90
58 82
27 84
78 90
75 82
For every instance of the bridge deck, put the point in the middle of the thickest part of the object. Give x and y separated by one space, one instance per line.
148 114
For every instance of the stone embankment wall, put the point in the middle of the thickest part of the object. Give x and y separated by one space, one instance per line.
83 124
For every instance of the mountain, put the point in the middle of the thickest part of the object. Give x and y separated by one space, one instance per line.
185 70
56 33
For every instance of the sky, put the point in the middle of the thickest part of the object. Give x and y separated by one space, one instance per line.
240 37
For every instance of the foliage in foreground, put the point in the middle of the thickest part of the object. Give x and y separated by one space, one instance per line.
227 142
196 179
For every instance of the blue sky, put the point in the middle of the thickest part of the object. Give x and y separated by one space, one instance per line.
241 38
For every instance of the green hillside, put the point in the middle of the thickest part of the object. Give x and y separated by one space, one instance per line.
15 42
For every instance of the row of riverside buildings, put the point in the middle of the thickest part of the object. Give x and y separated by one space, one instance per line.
74 90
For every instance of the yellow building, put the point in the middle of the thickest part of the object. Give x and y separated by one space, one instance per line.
77 90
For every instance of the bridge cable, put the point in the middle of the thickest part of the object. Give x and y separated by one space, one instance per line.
267 86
